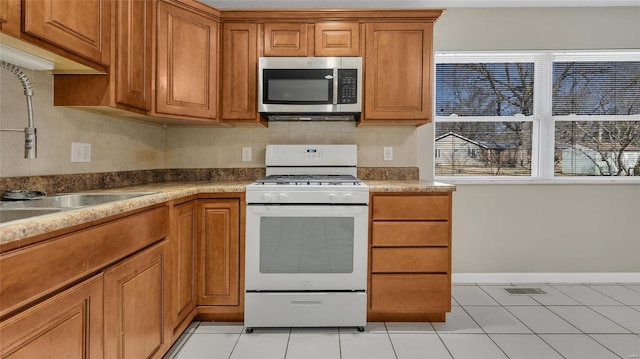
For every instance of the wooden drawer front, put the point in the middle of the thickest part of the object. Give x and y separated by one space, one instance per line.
410 292
409 260
434 207
410 234
29 273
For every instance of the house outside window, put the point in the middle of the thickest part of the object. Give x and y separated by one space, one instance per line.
537 116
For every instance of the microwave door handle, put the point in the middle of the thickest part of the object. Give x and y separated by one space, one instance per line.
335 85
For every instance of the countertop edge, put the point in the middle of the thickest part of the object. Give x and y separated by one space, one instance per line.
167 191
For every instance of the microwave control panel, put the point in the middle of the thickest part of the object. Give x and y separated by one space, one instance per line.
347 86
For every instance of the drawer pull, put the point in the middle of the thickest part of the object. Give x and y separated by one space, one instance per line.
306 303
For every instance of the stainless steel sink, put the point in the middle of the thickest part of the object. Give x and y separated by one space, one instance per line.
79 200
11 211
7 215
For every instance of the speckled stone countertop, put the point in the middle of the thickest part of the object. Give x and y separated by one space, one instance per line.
16 230
409 186
13 231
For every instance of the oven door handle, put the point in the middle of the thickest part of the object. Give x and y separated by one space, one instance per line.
297 210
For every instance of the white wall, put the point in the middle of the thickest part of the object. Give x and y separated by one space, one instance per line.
540 228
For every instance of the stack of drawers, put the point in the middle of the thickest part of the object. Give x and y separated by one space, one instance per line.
410 258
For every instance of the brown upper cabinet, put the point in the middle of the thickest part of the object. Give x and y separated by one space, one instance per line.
78 26
186 64
333 38
337 38
127 86
397 78
239 72
285 39
133 62
177 60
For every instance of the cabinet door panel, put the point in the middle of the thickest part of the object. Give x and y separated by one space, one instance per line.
186 64
427 207
409 260
184 254
337 39
285 39
219 250
135 302
239 72
397 79
410 292
82 27
68 325
410 233
134 28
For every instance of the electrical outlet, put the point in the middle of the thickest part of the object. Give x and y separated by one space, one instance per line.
246 154
80 152
387 154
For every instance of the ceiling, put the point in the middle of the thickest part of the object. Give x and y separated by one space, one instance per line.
359 4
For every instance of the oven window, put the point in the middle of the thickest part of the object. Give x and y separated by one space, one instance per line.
306 244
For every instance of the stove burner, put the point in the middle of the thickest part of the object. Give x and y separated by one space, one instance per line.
309 180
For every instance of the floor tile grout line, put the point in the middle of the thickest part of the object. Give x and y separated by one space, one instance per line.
236 342
526 326
386 329
523 323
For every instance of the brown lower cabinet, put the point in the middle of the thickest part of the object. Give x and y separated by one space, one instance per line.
410 257
219 275
135 297
68 325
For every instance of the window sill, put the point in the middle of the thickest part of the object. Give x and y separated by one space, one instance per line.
538 181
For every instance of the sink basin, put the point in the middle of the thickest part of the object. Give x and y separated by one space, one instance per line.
78 200
15 214
12 211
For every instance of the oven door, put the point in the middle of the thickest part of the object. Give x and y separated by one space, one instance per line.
306 247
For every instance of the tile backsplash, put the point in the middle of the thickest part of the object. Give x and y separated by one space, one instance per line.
121 145
222 147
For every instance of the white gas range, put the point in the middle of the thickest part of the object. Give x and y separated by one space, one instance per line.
306 239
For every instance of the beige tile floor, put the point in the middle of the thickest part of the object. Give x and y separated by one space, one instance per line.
578 321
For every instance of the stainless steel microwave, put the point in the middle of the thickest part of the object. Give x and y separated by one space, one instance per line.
310 85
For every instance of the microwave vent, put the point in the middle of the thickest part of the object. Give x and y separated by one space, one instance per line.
351 117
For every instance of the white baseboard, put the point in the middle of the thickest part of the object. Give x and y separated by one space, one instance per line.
624 277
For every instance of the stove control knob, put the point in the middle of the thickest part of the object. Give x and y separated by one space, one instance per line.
266 197
348 197
332 198
282 197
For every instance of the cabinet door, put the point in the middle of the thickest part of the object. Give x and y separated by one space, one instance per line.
337 39
79 26
134 27
68 325
134 300
187 63
398 72
285 39
239 73
219 251
183 251
4 12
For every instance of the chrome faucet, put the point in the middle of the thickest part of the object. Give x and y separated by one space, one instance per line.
30 138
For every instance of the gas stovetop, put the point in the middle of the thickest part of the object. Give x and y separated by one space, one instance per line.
302 180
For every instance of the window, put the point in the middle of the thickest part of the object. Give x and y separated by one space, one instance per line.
537 115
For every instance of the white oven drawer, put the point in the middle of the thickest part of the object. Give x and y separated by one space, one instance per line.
305 309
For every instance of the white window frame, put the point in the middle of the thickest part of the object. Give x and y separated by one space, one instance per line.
543 136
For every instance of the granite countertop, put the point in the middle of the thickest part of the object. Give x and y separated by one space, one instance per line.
21 229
